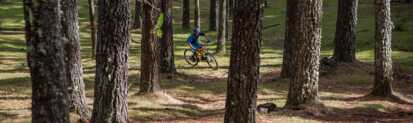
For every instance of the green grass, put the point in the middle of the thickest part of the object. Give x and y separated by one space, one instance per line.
202 85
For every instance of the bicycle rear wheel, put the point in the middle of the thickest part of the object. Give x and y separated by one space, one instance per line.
189 58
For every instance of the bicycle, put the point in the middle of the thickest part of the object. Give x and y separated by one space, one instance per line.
201 54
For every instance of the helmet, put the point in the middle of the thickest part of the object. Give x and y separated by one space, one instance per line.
197 31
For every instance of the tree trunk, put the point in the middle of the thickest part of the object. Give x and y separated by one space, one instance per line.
383 62
228 16
46 61
149 51
230 7
245 62
197 15
166 41
93 34
137 21
213 15
111 81
304 32
74 69
186 15
345 41
222 26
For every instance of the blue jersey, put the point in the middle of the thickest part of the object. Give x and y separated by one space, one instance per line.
193 40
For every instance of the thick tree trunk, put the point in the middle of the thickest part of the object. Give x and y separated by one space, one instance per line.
167 45
213 15
245 62
345 41
222 26
149 51
137 21
383 62
45 44
304 32
197 14
186 14
74 69
111 81
93 32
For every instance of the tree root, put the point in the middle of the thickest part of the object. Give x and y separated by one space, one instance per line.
393 97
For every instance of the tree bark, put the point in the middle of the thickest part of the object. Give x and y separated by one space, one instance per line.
186 15
345 40
111 81
46 61
222 26
167 45
383 62
304 33
150 58
74 69
245 62
213 15
137 21
197 14
93 28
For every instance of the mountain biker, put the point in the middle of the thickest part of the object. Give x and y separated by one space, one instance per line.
193 40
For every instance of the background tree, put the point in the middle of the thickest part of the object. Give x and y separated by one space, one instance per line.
93 32
345 40
111 81
245 62
74 69
186 14
230 7
383 62
150 58
167 45
304 32
222 26
197 14
137 21
213 15
46 61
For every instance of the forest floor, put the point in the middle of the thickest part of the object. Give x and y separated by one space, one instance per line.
200 98
198 94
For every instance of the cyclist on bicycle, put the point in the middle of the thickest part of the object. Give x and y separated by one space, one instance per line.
193 40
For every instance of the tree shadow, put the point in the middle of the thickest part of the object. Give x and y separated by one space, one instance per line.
175 112
368 113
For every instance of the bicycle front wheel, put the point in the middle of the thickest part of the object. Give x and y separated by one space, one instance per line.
212 62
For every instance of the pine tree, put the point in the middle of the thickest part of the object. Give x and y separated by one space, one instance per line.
222 26
383 62
73 61
197 14
213 15
111 80
150 58
45 44
167 45
345 41
304 37
137 21
245 62
186 14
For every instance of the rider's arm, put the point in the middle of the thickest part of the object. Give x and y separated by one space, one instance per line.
207 38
